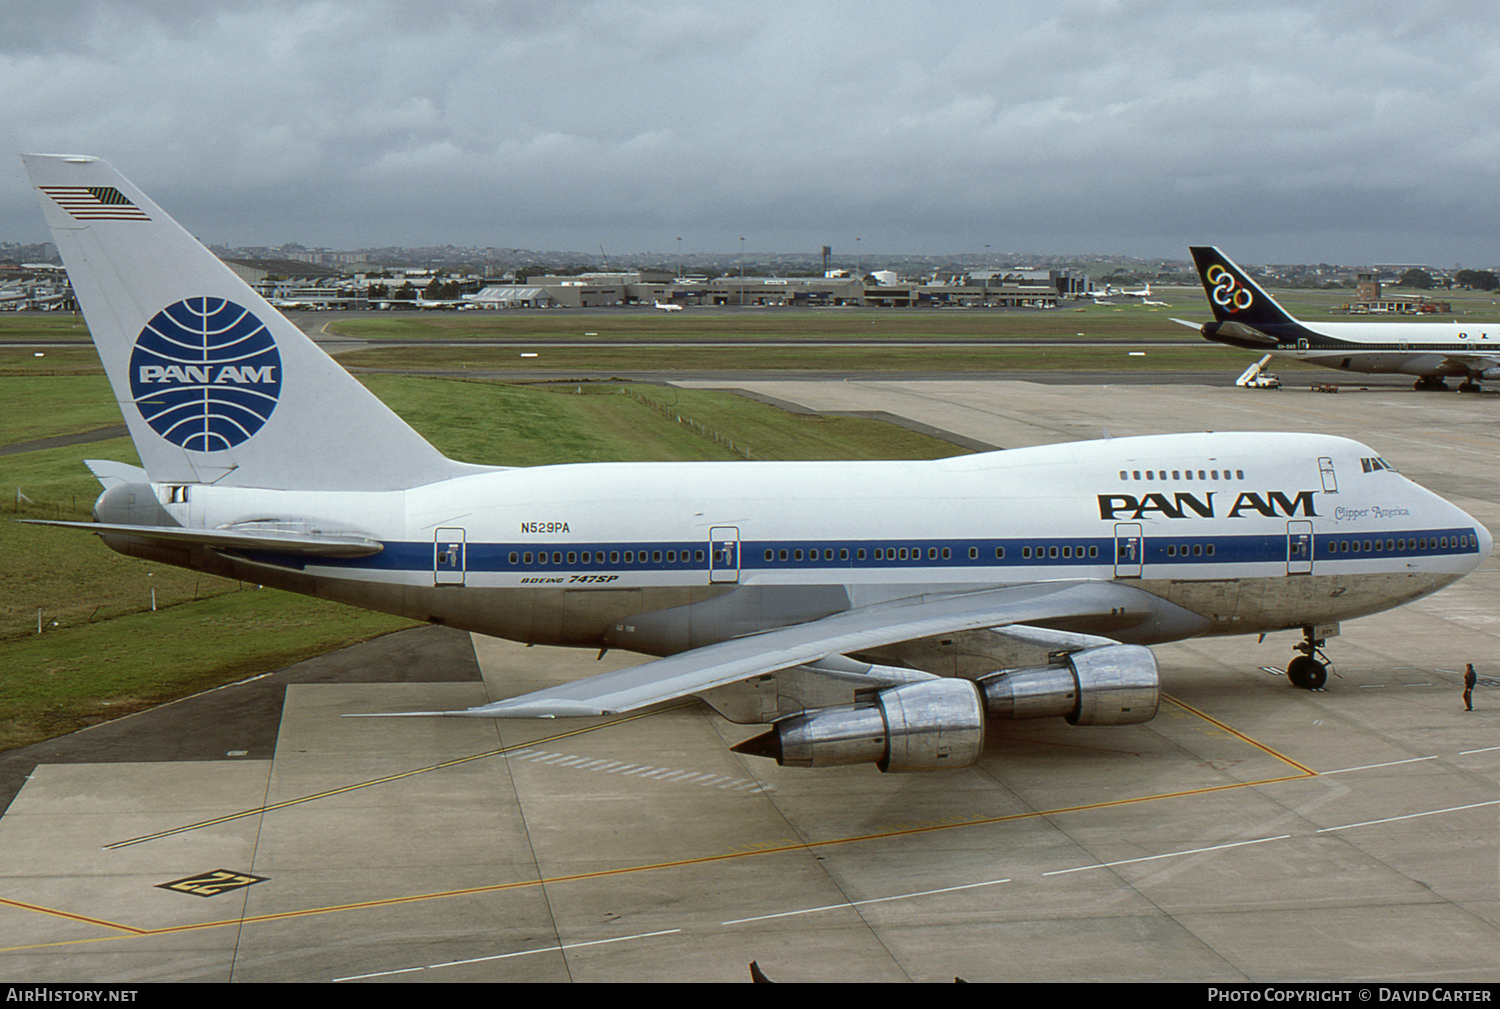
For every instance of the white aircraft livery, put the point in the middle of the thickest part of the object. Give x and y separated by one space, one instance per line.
876 612
1245 316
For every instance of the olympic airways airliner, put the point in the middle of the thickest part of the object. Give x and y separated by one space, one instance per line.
875 612
1245 316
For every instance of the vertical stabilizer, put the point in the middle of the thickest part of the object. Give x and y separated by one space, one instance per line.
1232 295
216 385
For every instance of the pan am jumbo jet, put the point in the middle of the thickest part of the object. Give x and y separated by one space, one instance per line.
867 612
1247 317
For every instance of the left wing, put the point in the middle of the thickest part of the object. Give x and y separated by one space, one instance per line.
1474 363
717 665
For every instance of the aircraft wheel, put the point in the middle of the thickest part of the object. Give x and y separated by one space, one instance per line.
1469 387
1316 676
1307 672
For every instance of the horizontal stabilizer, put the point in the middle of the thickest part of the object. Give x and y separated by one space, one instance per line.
109 473
263 540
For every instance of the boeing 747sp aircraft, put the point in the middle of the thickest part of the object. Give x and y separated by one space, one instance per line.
864 611
1247 317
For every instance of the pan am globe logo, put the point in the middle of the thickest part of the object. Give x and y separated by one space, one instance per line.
205 374
1227 292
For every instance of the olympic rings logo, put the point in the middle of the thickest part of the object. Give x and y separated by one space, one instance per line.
1227 292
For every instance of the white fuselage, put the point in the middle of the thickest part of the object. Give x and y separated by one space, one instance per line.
1401 348
1248 532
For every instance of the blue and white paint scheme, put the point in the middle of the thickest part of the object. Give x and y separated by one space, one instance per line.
1247 317
867 611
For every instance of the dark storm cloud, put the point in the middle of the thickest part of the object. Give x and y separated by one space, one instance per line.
1286 132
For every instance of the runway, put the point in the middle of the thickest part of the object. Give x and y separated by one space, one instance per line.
1251 832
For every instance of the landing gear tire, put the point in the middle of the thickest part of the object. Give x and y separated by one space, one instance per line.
1307 672
1470 387
1430 384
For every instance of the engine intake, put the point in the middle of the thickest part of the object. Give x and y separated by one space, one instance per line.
1112 685
925 726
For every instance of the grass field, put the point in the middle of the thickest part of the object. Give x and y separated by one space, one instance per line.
1121 322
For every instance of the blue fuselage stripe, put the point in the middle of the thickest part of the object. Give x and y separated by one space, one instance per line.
801 555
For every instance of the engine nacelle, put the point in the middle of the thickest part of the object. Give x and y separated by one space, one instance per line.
1112 685
925 726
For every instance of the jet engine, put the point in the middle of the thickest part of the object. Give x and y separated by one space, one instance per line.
1110 685
924 726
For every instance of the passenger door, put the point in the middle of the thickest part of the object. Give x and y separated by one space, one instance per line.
449 556
724 554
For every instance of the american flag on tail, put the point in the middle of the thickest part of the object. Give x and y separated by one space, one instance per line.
95 203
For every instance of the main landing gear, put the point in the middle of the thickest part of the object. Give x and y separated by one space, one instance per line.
1305 671
1430 383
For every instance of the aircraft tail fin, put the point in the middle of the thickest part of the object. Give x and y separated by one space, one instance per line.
1232 295
216 385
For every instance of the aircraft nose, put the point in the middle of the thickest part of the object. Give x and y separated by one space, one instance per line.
1486 541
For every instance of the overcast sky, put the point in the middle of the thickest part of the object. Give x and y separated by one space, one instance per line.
1359 132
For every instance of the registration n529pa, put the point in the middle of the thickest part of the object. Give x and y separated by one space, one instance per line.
866 612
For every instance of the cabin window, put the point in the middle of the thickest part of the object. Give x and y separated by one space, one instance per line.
797 554
999 553
1052 552
860 554
572 557
770 555
513 557
527 557
783 553
1026 553
843 553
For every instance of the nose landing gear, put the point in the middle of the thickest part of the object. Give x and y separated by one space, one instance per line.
1305 671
